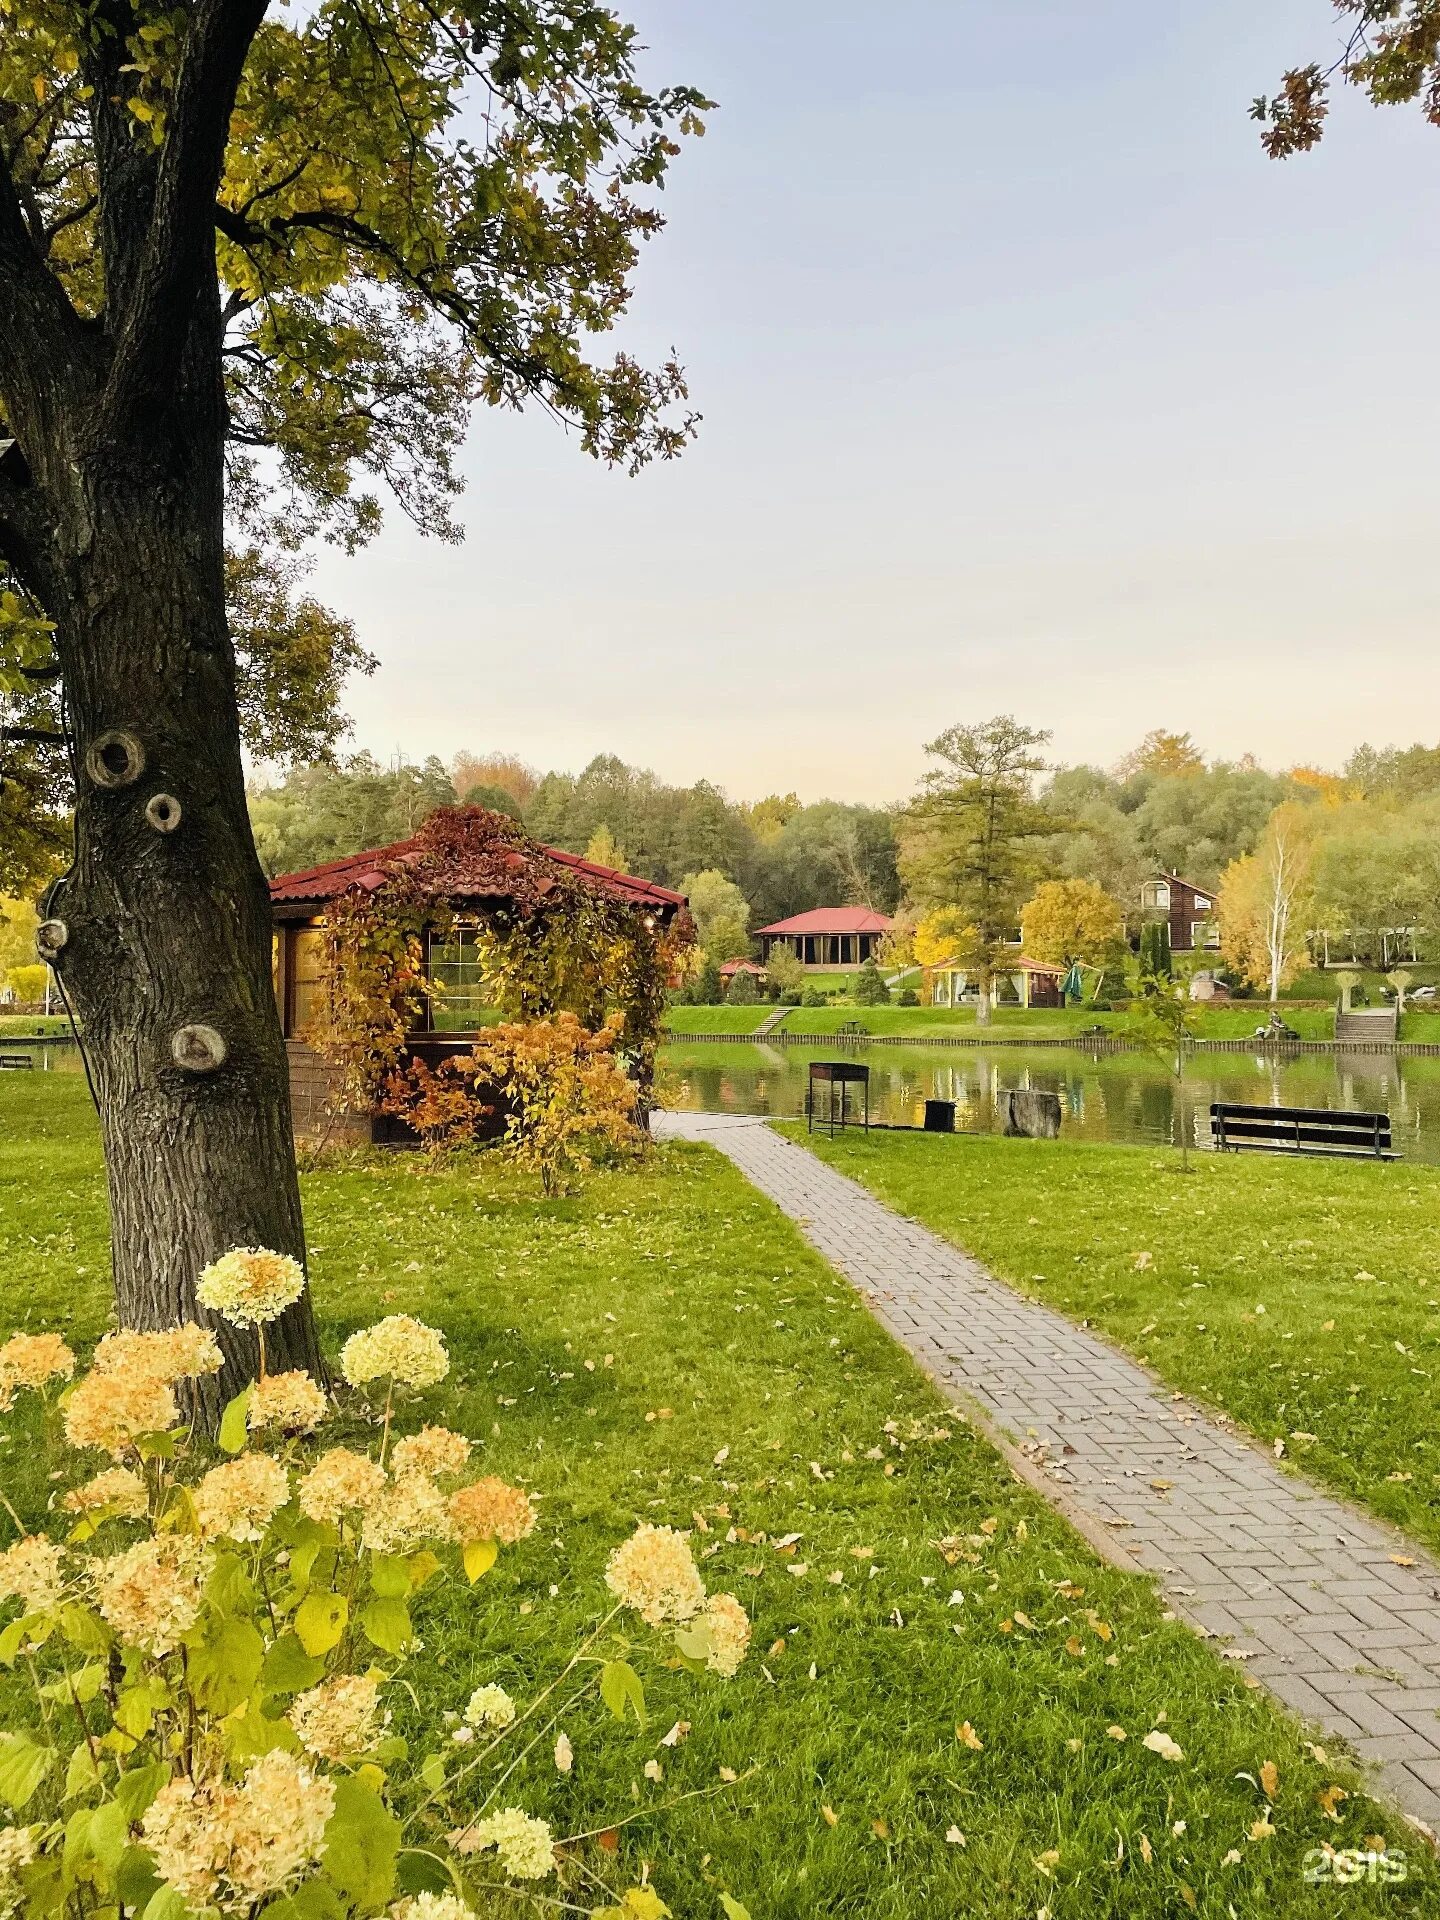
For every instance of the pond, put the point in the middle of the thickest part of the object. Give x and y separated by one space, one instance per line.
1127 1098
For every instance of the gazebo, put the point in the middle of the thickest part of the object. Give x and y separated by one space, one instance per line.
828 938
1033 983
480 867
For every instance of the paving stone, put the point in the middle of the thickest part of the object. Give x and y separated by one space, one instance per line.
1340 1633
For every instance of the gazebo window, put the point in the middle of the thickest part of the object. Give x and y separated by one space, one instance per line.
307 970
455 966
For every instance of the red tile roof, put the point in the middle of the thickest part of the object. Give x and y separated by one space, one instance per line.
833 920
312 885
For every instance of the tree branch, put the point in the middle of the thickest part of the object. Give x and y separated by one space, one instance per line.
180 245
33 736
40 328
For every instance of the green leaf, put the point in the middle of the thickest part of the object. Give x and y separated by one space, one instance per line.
16 1636
387 1625
109 1835
362 1841
156 1446
224 1665
167 1904
389 1576
421 1871
312 1538
24 1763
432 1771
694 1641
479 1556
138 1704
315 1900
84 1629
138 1786
252 1734
422 1567
136 1881
288 1668
620 1687
733 1908
320 1621
234 1431
82 1775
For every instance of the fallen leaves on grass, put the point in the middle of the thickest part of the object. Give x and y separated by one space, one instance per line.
968 1737
1158 1741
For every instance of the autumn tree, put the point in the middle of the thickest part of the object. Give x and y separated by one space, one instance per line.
1065 921
968 840
505 771
254 271
1390 50
721 914
1163 754
1265 903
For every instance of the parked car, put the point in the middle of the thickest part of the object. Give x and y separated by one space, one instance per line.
1422 993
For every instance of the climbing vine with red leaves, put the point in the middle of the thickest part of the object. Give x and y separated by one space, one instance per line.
549 941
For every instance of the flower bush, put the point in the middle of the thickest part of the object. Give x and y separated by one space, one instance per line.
213 1642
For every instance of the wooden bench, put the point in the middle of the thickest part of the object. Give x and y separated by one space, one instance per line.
15 1060
1332 1130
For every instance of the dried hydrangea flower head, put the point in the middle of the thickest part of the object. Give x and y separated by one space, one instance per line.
526 1847
396 1348
33 1572
120 1489
489 1706
151 1593
340 1718
433 1451
431 1906
340 1482
175 1353
729 1626
112 1407
290 1401
654 1572
32 1360
410 1513
251 1286
489 1509
239 1499
227 1847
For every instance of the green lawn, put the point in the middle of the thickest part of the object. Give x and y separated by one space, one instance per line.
38 1023
1009 1023
665 1347
1302 1297
702 1020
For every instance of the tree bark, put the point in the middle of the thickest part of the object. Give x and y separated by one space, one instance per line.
168 926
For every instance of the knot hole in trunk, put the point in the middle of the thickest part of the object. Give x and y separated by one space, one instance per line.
114 759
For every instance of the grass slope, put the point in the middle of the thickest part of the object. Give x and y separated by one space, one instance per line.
663 1346
1302 1297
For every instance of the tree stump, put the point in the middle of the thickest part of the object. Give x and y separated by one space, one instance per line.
1030 1115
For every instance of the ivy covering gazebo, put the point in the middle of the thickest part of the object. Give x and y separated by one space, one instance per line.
392 961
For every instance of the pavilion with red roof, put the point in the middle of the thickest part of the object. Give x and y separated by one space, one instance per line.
828 937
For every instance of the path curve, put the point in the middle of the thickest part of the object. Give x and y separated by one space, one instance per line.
1303 1587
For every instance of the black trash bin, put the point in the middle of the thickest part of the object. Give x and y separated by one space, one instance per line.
939 1116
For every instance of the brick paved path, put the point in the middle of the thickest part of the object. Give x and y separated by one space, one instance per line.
1336 1629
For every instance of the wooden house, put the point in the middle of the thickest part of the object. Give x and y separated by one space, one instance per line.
1189 909
488 867
828 939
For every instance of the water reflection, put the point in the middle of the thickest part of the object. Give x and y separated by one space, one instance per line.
1122 1097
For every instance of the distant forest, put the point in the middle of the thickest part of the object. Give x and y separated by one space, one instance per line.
1165 807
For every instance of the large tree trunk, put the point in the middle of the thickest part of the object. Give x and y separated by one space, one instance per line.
167 920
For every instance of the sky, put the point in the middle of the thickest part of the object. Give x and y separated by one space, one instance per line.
1029 385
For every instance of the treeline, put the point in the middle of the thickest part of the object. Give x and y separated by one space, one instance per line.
1164 808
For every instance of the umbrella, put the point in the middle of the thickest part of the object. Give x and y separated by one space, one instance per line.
1072 987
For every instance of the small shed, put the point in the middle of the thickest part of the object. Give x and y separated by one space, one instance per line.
732 967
